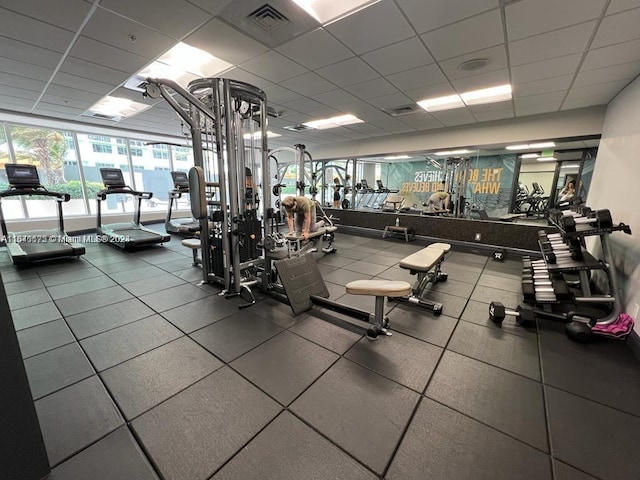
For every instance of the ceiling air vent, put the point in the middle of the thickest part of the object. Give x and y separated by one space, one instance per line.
102 116
297 128
401 110
268 18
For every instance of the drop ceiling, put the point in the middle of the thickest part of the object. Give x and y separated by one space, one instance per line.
59 58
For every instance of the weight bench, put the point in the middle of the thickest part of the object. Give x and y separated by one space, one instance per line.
194 245
297 245
305 287
426 265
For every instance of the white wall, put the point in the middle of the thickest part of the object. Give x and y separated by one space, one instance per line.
616 185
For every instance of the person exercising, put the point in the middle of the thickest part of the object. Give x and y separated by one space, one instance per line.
439 201
336 192
568 191
305 215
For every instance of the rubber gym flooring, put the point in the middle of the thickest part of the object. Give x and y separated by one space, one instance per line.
138 372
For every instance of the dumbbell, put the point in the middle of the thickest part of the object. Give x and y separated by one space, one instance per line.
524 316
597 219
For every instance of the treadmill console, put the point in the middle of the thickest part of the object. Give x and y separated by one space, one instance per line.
22 175
112 177
180 180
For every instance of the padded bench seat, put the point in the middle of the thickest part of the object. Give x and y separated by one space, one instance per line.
378 288
194 245
423 260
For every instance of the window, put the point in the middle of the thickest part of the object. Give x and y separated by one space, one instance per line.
99 138
136 152
166 169
104 165
121 150
11 206
161 152
100 148
151 174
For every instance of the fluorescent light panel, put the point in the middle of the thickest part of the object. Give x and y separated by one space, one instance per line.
452 152
333 122
118 107
500 93
396 157
326 11
531 146
256 135
530 155
547 159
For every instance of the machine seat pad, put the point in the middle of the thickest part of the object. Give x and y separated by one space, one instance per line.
192 243
317 233
379 288
425 259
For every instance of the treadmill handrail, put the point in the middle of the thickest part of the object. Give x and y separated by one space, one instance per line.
31 191
102 194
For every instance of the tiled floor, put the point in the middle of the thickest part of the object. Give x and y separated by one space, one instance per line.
138 372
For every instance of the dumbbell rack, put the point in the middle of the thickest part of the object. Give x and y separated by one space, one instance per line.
546 291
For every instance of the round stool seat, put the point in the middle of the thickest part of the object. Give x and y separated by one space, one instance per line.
379 288
193 243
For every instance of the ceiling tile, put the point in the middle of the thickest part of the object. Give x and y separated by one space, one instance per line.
81 105
335 98
417 77
392 125
175 18
15 103
458 116
497 57
620 5
91 50
8 79
442 12
224 42
304 105
34 32
22 52
391 101
430 91
553 98
476 33
550 45
212 6
83 84
364 111
72 93
625 71
493 112
278 94
606 56
22 93
619 28
555 84
93 71
308 84
26 70
588 101
484 80
606 89
70 17
399 57
247 77
532 17
117 31
372 88
384 25
546 68
348 72
534 108
57 110
315 49
421 121
273 66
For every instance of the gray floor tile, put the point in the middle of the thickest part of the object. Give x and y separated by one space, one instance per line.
190 274
23 286
46 336
577 424
452 305
144 381
56 369
511 352
116 456
179 295
478 313
340 405
277 312
328 335
135 274
92 300
508 283
353 253
131 265
123 343
468 258
11 274
397 273
562 471
111 258
153 285
74 275
610 365
28 299
73 418
421 323
489 294
36 315
285 365
471 387
366 268
191 435
179 263
382 259
418 359
467 274
335 260
80 286
342 276
235 335
444 444
289 450
196 315
105 318
451 287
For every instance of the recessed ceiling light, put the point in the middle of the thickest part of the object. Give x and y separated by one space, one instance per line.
531 146
453 152
530 155
437 104
326 11
396 157
257 135
333 122
547 159
117 108
487 95
572 165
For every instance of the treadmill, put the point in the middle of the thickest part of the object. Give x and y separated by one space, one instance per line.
130 234
187 226
35 245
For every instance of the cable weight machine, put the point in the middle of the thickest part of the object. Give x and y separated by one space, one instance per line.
456 178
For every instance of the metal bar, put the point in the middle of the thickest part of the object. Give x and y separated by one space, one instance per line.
340 308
